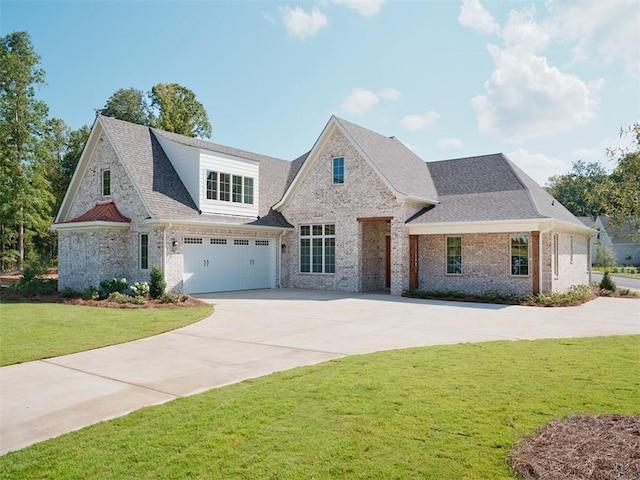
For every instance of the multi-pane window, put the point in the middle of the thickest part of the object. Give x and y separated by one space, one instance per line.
225 187
338 170
229 188
212 185
454 255
106 183
318 248
520 254
144 251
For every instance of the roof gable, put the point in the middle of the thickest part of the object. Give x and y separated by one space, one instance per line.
402 171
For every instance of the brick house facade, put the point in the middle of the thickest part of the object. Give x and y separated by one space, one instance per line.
358 212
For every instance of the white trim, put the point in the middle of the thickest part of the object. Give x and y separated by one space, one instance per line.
89 224
196 223
446 256
140 251
520 234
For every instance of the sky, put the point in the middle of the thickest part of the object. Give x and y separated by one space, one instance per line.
545 82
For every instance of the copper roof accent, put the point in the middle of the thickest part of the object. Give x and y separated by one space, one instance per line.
101 212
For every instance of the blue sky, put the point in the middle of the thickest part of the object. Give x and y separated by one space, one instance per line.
546 83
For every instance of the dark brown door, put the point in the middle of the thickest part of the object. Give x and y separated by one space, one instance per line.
413 261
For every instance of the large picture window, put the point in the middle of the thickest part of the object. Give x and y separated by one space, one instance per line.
454 255
520 255
318 248
229 188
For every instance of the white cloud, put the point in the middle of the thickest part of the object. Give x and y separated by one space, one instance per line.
302 24
526 97
360 101
609 28
418 122
390 93
363 7
474 16
538 166
448 143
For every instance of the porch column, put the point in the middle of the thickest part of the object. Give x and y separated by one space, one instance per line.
535 262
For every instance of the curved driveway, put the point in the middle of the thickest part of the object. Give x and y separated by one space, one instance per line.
254 333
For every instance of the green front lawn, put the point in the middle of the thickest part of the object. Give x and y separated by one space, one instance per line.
33 330
446 412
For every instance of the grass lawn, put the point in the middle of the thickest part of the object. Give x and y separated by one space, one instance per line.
446 412
618 274
34 330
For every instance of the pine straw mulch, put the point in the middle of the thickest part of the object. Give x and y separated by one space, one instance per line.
56 298
581 447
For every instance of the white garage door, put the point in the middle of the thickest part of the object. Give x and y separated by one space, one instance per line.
215 264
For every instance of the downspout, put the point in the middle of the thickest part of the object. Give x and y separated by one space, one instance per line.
279 253
540 250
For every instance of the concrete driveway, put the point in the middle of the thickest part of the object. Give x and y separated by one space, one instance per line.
254 333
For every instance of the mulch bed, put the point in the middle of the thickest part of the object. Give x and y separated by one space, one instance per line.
56 298
581 447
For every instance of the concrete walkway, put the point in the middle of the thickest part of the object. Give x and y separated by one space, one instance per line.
254 333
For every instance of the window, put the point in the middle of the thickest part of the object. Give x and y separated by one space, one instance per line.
318 248
520 255
240 242
212 185
454 255
248 190
338 170
262 243
555 254
218 241
106 183
144 251
229 188
193 240
237 189
225 186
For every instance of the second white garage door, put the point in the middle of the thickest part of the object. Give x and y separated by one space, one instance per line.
213 264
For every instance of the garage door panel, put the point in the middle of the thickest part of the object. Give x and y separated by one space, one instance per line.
224 264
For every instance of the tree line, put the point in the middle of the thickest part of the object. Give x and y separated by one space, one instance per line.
39 154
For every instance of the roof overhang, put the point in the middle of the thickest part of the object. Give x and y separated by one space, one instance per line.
495 226
88 225
199 223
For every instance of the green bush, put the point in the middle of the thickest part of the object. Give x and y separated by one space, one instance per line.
171 298
69 293
157 284
604 256
575 294
90 293
140 289
107 287
119 297
34 286
607 283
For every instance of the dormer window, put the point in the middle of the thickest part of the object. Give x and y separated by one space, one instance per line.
229 188
106 183
338 170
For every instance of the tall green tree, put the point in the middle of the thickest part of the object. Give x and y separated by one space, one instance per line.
179 111
23 185
130 105
580 190
623 186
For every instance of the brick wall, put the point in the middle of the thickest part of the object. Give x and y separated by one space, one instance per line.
573 268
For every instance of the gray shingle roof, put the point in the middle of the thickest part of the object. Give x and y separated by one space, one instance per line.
161 188
407 173
488 188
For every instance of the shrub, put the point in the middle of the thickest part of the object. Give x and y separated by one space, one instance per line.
90 293
575 294
157 284
69 293
119 297
140 289
606 283
107 287
605 256
171 298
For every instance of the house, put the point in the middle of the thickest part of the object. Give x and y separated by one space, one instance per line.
624 246
358 212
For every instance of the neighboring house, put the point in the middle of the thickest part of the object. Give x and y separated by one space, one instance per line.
600 238
358 212
622 241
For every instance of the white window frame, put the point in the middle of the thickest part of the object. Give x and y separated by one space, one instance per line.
446 255
512 266
244 196
327 264
341 177
141 246
103 172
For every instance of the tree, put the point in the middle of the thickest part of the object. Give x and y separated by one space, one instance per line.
623 188
75 145
128 104
580 190
179 111
22 181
